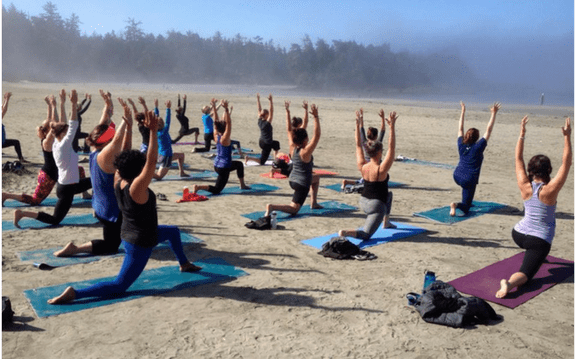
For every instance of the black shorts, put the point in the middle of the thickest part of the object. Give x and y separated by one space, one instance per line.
300 192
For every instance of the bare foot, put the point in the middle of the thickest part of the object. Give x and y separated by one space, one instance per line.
86 195
183 174
68 295
390 225
342 233
316 206
67 251
453 206
245 187
17 217
195 188
504 289
190 268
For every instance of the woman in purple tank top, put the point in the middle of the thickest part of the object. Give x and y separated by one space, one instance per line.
539 191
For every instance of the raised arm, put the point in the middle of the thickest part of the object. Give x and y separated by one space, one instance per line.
259 105
5 103
139 188
361 128
185 102
271 115
359 156
85 104
128 121
496 106
305 115
168 120
461 120
63 106
215 109
46 123
390 155
522 177
134 108
288 123
226 137
105 119
557 182
307 151
382 129
109 152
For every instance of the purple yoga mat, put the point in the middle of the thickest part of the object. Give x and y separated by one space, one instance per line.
484 283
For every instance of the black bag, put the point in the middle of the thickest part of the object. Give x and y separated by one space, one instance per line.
261 223
339 248
7 313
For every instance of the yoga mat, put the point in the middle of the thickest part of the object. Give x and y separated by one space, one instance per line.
424 163
276 175
329 207
188 143
337 186
251 163
321 172
382 235
151 282
174 165
485 282
45 257
69 220
48 202
477 209
255 188
192 175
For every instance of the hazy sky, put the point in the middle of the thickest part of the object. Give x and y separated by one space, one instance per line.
504 40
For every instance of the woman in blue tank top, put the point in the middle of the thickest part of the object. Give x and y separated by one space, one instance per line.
539 191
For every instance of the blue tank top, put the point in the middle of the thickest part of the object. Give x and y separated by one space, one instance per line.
539 219
104 200
224 155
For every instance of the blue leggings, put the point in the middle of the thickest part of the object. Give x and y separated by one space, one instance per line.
134 263
468 186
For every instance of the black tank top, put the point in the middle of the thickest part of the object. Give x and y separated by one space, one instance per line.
376 190
140 221
49 166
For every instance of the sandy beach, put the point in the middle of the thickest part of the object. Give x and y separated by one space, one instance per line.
295 303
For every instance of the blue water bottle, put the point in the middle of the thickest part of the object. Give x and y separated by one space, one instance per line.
429 278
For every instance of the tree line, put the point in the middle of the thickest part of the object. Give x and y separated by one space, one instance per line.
48 48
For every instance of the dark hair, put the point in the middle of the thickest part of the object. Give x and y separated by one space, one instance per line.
265 112
296 122
130 164
59 128
471 136
540 166
372 133
140 117
372 148
299 136
220 126
95 134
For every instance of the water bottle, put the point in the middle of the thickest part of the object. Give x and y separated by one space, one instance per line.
186 192
429 278
274 220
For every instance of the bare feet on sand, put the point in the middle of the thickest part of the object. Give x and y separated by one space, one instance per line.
69 250
453 206
504 289
190 268
17 217
67 296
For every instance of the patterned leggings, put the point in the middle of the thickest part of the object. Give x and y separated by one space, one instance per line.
44 187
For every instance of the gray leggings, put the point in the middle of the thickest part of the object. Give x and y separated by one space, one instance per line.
375 210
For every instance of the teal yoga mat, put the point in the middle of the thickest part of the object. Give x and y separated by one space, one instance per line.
192 176
337 186
477 209
415 161
45 259
382 235
69 220
255 188
151 282
48 202
329 207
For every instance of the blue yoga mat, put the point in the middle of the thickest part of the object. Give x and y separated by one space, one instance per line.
48 202
382 235
44 258
337 186
151 282
441 214
329 207
255 188
69 220
193 175
174 166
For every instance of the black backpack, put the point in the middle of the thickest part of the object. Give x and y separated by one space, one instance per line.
339 248
7 312
261 223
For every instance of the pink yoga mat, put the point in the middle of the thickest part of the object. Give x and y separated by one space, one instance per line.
484 283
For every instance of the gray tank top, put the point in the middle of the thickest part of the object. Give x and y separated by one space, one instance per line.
302 172
539 219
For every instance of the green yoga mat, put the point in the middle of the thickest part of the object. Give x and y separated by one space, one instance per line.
329 207
45 258
48 202
69 220
477 209
151 282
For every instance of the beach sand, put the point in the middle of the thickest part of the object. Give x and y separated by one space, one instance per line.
295 303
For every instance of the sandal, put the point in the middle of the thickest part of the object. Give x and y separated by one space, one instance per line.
162 197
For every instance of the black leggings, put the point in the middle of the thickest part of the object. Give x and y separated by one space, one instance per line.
208 138
185 132
112 237
16 144
224 175
536 250
267 149
65 193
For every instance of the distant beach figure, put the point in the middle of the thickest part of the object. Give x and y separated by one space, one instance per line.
301 178
471 149
70 181
542 99
375 198
165 153
266 142
539 192
7 142
185 129
140 231
223 164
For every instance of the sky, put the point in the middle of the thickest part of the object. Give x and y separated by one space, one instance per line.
494 37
